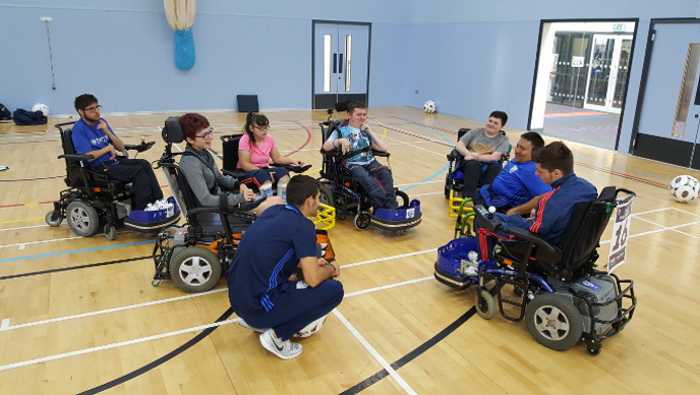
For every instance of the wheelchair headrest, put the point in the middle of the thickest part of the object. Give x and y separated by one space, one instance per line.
172 132
342 106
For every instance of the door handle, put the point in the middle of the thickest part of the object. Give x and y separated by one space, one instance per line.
696 115
340 64
335 62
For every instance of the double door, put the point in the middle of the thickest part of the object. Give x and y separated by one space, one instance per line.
340 63
607 74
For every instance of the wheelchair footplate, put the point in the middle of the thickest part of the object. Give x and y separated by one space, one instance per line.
401 219
147 221
457 263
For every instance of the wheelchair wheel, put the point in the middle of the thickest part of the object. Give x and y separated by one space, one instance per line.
484 303
49 218
110 232
326 196
554 321
362 220
82 218
195 269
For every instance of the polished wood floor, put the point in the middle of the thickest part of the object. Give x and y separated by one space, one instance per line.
72 329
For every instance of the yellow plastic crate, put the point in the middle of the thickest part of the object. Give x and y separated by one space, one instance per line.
454 204
325 218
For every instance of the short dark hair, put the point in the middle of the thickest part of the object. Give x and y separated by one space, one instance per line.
354 105
192 123
500 115
534 138
84 101
300 188
554 156
254 119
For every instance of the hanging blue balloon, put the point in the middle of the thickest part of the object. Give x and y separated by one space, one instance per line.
184 49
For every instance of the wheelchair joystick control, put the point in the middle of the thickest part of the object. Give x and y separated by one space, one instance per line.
492 210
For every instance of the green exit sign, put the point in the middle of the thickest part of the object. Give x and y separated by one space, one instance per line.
619 27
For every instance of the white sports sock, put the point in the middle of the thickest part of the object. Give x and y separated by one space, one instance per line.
282 191
266 189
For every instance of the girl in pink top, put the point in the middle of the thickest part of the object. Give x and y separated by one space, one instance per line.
255 151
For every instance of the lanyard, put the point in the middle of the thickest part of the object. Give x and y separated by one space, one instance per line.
293 209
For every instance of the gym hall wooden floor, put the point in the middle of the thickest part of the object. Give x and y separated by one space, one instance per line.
78 313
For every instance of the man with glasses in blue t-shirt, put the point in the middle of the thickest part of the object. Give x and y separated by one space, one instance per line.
92 135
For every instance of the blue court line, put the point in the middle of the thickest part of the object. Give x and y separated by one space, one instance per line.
74 251
429 178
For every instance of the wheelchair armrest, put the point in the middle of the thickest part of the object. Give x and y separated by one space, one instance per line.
199 210
380 153
144 146
247 206
454 155
542 244
292 168
488 220
234 173
76 156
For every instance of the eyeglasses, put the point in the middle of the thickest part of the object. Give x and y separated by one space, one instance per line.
94 109
206 135
263 128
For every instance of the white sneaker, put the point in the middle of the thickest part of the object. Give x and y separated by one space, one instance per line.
247 326
151 207
284 349
312 328
471 271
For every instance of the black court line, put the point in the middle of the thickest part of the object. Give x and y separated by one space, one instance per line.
160 360
377 377
65 269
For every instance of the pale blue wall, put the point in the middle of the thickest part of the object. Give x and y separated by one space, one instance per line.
122 52
469 56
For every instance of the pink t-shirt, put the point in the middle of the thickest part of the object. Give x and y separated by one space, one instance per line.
259 156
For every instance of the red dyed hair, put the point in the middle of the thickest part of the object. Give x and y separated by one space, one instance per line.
192 123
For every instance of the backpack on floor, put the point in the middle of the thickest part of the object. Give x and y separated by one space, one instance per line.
24 117
5 114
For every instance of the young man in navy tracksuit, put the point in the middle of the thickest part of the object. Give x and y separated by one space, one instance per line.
555 166
260 289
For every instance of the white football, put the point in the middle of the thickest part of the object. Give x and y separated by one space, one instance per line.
429 107
684 188
43 108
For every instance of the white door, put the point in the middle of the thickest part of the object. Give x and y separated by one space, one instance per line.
341 63
607 73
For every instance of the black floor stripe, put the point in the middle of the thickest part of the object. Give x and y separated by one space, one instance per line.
65 269
377 377
158 361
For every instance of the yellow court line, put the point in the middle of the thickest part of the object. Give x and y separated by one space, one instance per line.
380 124
20 220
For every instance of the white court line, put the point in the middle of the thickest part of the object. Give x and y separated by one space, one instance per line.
168 334
93 313
683 211
374 353
133 306
5 323
389 258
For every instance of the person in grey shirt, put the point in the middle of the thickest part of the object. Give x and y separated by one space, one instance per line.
483 149
210 187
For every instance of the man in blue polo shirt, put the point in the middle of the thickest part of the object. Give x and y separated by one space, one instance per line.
516 189
92 135
259 284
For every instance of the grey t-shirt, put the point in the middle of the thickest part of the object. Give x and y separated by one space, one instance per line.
477 141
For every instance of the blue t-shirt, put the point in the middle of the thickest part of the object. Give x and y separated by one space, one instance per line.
267 255
516 184
88 138
359 139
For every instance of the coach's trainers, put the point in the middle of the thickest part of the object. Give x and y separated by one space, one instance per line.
247 326
284 349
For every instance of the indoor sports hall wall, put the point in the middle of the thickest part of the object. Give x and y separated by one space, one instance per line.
122 51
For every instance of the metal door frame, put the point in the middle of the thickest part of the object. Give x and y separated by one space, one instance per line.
645 72
313 52
610 91
537 62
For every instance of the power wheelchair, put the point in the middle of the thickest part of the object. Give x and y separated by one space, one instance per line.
325 218
193 255
562 297
92 199
454 183
346 195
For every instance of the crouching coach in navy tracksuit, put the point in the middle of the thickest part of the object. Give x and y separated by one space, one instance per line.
259 284
555 166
